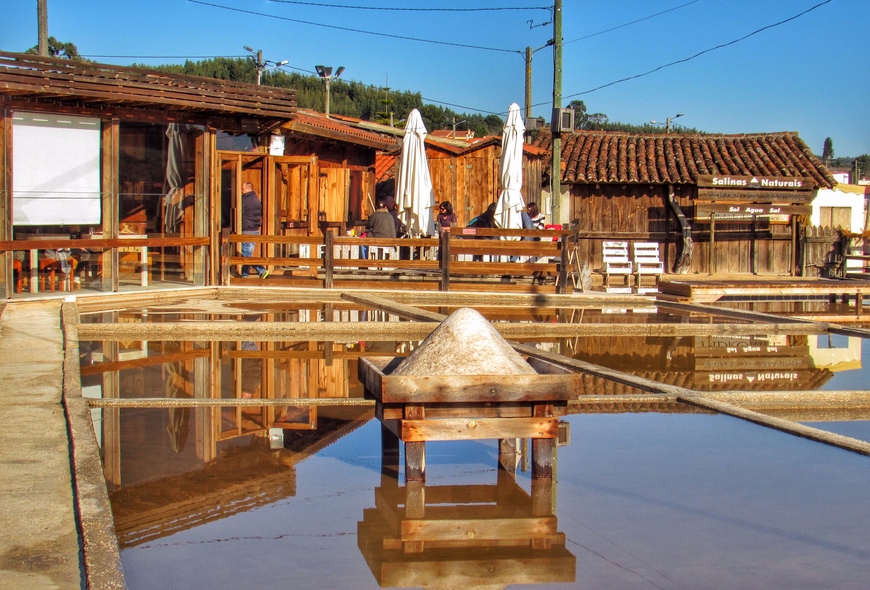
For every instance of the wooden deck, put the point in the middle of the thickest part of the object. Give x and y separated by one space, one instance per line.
710 289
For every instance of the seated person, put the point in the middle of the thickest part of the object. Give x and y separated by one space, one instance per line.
380 224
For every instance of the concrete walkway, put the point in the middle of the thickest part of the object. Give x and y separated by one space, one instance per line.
42 543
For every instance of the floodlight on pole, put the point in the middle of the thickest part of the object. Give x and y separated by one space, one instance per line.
261 64
668 121
325 73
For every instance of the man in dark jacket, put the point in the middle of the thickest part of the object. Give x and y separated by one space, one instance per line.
252 220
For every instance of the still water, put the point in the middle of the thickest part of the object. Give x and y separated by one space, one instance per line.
651 496
643 500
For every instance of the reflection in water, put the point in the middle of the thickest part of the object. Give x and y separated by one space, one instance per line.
463 536
165 492
202 500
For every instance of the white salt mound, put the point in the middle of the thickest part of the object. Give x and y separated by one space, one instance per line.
464 344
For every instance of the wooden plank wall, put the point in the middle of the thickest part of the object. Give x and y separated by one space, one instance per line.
640 213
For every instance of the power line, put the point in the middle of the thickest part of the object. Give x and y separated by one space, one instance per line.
631 23
404 9
353 30
164 56
699 54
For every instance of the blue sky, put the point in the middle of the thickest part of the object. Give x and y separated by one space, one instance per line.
807 75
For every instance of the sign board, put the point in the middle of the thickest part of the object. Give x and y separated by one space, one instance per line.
756 196
748 211
777 183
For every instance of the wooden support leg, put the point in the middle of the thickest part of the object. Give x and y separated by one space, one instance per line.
543 504
543 449
389 456
415 509
507 454
415 461
415 452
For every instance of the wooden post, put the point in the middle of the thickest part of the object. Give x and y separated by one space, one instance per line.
415 452
793 264
202 180
110 156
543 449
6 282
389 454
711 257
226 252
328 258
415 509
562 283
752 246
507 454
444 250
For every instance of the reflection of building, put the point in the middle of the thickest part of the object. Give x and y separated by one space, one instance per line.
169 492
836 353
706 363
464 536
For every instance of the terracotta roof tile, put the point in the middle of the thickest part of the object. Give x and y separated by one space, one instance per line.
312 122
615 157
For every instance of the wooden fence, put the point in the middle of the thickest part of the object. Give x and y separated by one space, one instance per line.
472 259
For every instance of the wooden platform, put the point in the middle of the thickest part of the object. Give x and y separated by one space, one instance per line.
709 289
470 407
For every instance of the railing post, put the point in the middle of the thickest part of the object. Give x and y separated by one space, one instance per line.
711 257
444 259
562 285
328 258
225 257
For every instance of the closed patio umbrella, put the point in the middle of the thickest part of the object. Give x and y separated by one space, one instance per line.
415 197
510 204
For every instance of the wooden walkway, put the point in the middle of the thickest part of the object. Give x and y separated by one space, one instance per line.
710 289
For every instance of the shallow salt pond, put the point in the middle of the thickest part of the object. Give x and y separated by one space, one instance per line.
646 494
644 501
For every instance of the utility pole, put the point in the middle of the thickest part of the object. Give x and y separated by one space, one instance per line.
528 82
529 53
556 167
42 18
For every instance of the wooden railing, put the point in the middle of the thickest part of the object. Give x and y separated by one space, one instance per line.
459 256
42 269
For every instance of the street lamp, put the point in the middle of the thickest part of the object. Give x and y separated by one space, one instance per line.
325 72
263 65
668 122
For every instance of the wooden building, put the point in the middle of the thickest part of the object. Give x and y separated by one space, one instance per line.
465 172
714 203
121 177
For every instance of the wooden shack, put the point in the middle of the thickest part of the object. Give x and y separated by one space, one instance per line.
714 203
148 168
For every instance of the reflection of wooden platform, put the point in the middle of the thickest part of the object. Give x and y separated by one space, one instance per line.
464 536
712 289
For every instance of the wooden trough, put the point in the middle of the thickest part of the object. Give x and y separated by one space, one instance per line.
417 409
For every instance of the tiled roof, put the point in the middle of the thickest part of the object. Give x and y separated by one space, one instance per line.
314 123
615 157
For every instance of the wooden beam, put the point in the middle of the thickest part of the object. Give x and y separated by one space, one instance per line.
478 428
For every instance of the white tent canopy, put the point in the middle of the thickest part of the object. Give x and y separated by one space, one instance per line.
510 204
415 198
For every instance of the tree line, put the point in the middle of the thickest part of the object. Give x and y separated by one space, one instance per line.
386 106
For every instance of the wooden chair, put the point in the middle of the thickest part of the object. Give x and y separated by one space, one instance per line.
616 262
647 262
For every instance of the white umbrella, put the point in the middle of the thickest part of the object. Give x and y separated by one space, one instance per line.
510 205
415 197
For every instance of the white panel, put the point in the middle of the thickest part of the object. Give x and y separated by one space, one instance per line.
55 170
